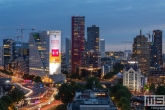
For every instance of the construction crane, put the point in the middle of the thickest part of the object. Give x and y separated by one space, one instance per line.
126 42
21 30
149 36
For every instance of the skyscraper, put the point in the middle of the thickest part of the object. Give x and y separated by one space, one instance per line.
102 47
93 38
78 40
158 43
68 53
141 52
45 53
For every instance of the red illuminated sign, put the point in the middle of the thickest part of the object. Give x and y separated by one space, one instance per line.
55 52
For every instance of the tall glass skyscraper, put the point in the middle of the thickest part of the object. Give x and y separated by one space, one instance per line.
78 40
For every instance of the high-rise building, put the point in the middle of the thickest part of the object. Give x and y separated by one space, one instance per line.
93 38
78 40
158 43
68 53
45 53
141 52
90 64
7 52
102 47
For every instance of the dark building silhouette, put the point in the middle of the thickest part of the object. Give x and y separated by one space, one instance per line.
141 52
78 40
93 38
158 43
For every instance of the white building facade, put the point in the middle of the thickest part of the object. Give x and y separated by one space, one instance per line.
132 76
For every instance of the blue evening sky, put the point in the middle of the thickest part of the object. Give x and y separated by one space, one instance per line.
119 20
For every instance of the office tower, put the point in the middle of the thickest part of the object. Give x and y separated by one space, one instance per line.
90 63
141 52
93 38
158 43
102 47
7 52
20 49
78 40
132 76
68 53
45 53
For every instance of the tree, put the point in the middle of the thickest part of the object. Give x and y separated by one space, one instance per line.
8 100
61 107
3 105
114 89
37 79
66 93
121 93
123 103
152 87
17 95
160 90
146 87
93 81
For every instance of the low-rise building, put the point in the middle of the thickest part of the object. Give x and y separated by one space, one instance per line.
156 77
132 77
96 99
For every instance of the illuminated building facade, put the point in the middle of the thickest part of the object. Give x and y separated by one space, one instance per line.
90 64
141 53
93 38
118 55
45 53
132 77
7 52
157 77
78 40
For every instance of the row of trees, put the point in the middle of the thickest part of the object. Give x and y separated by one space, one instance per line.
67 91
116 68
121 96
7 101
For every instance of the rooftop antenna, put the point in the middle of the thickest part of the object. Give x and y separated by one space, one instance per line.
140 32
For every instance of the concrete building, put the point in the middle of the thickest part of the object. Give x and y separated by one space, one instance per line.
157 77
127 54
78 40
7 52
132 77
93 38
68 54
157 34
118 55
90 64
96 99
141 52
102 47
45 54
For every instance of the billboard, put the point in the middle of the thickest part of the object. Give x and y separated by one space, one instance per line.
54 52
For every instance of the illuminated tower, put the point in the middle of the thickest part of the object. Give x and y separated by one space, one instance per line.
45 53
141 52
78 40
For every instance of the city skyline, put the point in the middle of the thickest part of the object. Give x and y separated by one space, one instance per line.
118 20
